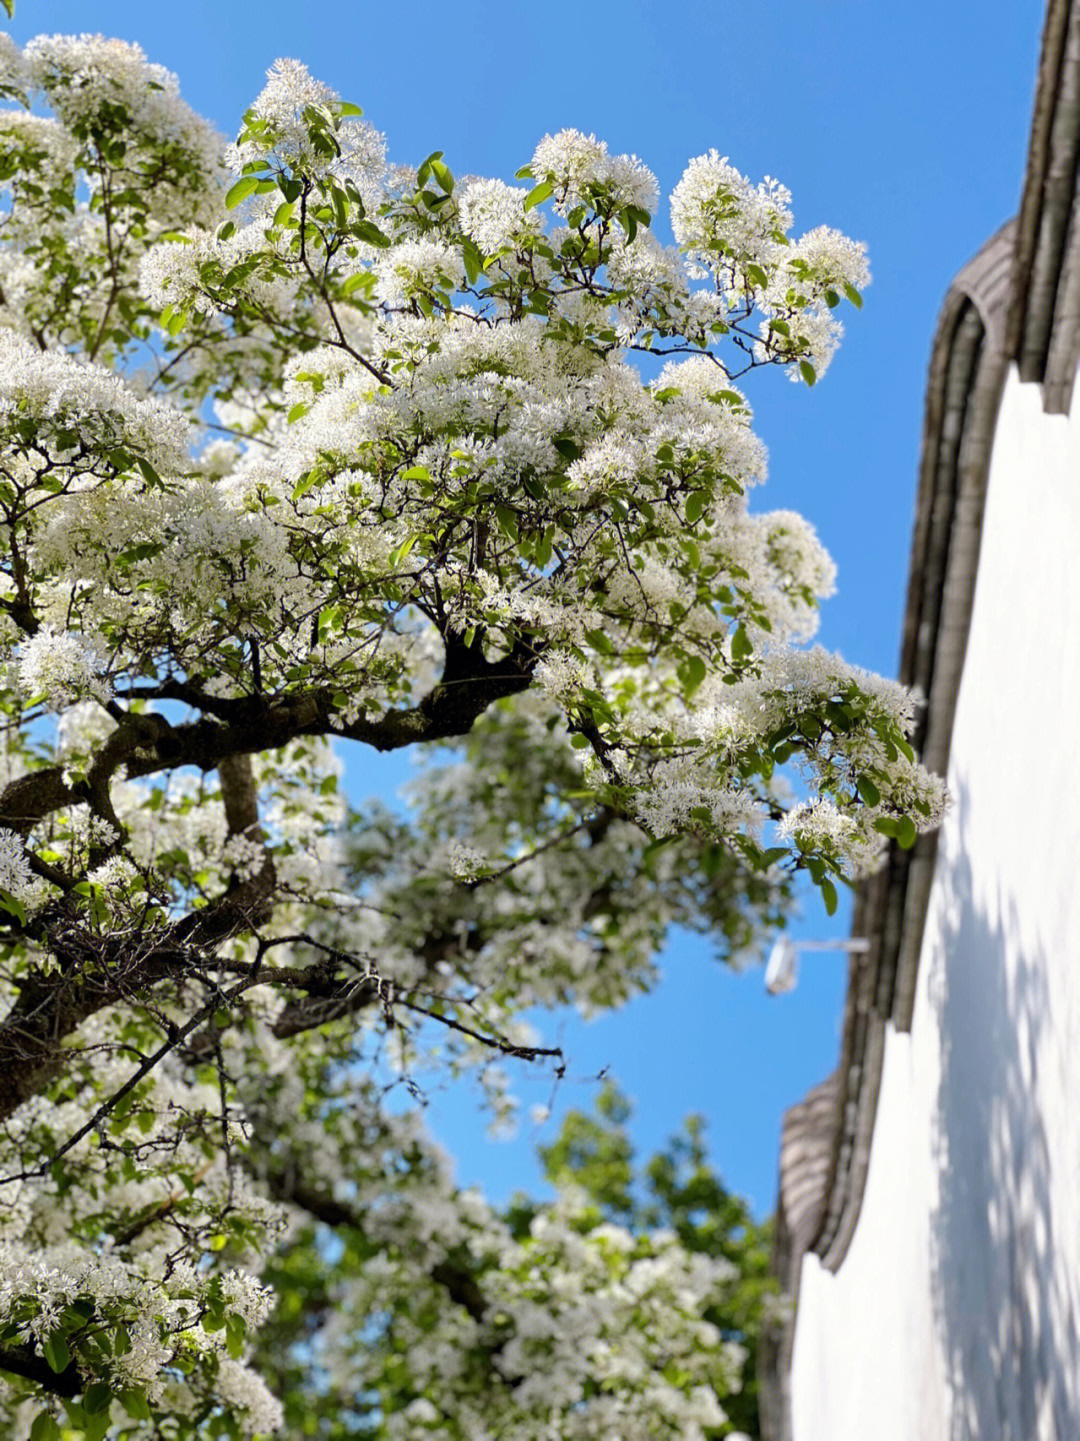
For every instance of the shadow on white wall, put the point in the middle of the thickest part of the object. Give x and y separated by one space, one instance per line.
1006 1303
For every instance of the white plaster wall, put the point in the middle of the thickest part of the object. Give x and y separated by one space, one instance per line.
956 1313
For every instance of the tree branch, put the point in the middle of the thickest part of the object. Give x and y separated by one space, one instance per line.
25 1362
469 685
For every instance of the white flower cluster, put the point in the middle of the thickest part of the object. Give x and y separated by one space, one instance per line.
681 797
248 1399
244 856
417 267
819 825
719 217
52 147
562 675
804 288
38 1284
466 862
86 76
580 164
187 272
13 76
15 876
358 152
63 668
74 403
494 215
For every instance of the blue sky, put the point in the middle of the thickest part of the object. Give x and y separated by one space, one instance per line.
903 125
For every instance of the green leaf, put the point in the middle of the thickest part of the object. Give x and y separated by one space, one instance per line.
97 1397
695 673
345 108
296 411
423 174
853 295
370 233
442 174
306 481
807 371
600 641
906 834
245 186
95 1426
538 194
741 644
9 8
869 791
13 906
354 282
416 472
695 504
508 522
136 1405
829 896
149 474
525 173
235 1336
44 1427
398 554
56 1352
474 260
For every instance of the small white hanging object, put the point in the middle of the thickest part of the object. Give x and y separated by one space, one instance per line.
782 971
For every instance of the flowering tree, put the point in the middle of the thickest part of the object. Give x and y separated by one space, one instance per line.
303 450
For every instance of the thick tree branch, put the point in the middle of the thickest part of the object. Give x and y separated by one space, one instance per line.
25 1362
240 797
469 685
97 972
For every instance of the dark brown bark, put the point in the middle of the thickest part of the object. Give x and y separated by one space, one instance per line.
147 744
25 1362
100 971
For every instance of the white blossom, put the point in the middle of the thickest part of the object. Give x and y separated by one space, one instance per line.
494 215
577 163
417 267
15 876
63 668
720 218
